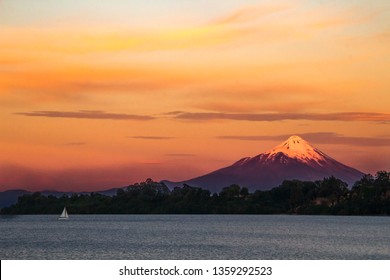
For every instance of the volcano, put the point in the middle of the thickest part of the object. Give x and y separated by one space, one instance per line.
293 159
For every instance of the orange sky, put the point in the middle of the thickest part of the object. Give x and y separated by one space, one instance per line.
95 96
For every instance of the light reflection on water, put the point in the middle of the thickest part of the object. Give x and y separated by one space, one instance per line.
194 237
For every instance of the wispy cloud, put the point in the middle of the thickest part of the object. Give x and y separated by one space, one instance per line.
317 137
75 144
138 85
246 14
180 155
232 26
85 115
84 41
152 137
342 18
270 117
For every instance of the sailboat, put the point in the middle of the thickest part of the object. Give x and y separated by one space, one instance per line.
64 215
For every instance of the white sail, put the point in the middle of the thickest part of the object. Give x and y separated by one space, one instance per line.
64 215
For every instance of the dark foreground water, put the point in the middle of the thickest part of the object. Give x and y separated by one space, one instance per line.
194 237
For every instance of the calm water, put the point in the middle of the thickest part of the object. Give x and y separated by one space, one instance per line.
194 237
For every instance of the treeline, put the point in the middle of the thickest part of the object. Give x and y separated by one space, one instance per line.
330 196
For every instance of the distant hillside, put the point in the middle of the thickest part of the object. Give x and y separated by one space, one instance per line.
10 197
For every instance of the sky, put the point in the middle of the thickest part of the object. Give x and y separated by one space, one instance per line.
97 94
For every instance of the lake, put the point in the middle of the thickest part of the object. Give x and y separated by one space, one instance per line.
194 237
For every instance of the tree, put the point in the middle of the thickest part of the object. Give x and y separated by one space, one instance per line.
333 189
233 191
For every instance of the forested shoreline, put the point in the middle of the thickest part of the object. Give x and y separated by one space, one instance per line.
330 196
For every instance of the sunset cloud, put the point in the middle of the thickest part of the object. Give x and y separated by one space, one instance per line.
206 116
85 41
250 13
75 144
180 155
270 117
85 115
152 137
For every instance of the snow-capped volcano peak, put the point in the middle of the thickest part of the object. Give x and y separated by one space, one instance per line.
293 159
296 147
